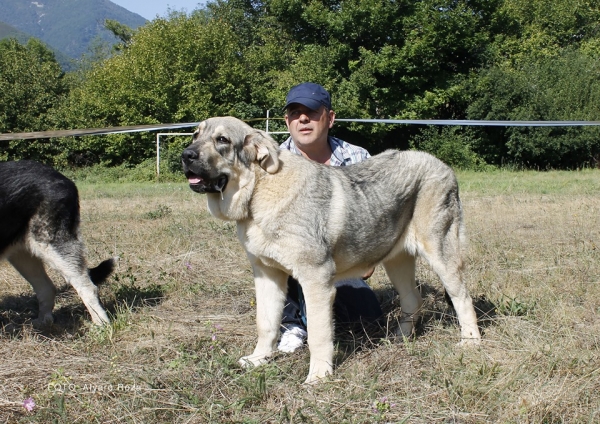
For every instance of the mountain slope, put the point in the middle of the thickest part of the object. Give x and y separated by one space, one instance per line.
66 25
7 31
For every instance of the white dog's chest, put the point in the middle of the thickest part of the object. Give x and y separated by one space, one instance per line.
266 246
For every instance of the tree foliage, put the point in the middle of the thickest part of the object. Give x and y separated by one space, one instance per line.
566 87
179 69
445 59
32 85
121 31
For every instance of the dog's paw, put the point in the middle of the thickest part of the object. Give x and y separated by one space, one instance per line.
470 342
100 318
253 360
318 371
405 331
313 379
43 321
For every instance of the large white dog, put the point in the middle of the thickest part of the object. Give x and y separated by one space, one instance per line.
300 218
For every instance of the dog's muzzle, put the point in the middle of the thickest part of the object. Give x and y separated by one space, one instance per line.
200 185
199 182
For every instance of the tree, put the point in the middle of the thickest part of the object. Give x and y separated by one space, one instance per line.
546 89
525 29
121 32
541 65
32 85
177 69
378 58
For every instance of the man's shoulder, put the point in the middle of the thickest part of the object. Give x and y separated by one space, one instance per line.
287 144
345 145
351 152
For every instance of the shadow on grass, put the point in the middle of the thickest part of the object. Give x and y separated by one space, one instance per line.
440 309
18 311
351 339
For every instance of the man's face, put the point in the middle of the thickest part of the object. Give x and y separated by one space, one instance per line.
308 126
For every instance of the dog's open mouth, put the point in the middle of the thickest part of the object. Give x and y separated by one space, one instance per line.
201 185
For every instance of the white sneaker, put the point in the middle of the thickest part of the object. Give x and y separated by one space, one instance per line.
292 339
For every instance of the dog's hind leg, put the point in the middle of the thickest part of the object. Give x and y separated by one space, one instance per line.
32 269
270 285
401 271
88 292
69 260
443 253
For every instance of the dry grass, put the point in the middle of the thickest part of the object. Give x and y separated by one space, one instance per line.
182 303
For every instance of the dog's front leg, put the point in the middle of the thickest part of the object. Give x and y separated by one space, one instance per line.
270 285
319 315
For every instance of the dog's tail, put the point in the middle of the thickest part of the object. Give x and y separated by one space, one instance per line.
102 271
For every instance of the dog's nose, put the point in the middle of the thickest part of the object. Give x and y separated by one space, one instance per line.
189 155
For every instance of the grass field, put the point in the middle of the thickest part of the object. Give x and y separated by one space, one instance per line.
182 303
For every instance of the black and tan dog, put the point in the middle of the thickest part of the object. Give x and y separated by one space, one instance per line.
39 224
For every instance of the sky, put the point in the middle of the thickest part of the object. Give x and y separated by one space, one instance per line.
150 8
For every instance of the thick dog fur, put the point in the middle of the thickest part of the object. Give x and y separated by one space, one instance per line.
321 224
39 224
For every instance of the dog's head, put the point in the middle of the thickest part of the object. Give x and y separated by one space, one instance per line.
223 148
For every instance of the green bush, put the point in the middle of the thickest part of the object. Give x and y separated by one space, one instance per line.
142 172
563 87
452 145
170 153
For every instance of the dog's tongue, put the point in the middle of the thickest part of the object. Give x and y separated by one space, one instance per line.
194 180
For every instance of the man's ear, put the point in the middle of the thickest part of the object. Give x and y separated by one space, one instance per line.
267 153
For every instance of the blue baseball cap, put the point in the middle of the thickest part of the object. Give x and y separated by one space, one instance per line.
309 94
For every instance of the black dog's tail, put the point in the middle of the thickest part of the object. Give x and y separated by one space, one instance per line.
102 271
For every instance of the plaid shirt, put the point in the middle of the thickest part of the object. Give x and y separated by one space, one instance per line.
342 153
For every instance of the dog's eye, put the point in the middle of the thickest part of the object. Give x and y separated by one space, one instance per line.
222 139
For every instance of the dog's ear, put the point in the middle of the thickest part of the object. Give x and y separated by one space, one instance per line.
199 130
265 150
267 159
